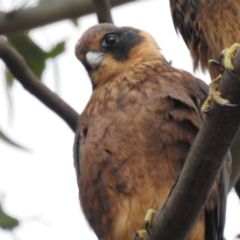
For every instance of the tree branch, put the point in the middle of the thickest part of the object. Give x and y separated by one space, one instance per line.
235 151
18 67
177 217
103 11
46 13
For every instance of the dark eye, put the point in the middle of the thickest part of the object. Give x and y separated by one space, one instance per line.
110 40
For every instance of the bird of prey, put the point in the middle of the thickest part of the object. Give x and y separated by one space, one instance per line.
134 134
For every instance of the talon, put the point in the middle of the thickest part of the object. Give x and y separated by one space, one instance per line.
228 55
215 63
215 68
206 110
231 73
139 234
148 219
231 105
216 96
147 222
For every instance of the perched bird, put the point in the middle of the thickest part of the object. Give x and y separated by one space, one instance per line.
134 134
207 28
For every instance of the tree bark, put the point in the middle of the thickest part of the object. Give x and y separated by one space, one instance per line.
45 13
18 67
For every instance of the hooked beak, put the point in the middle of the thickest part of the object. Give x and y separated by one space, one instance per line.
94 59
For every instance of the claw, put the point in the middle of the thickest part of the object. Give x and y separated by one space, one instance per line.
207 110
231 105
139 234
215 68
226 58
228 55
214 94
216 63
231 73
148 223
148 219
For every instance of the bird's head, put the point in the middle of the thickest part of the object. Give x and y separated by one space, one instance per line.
106 51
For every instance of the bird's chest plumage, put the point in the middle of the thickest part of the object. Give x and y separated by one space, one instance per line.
131 154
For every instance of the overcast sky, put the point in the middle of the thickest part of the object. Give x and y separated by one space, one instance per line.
39 187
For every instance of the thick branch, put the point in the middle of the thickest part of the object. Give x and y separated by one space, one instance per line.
103 11
47 13
18 67
235 151
176 218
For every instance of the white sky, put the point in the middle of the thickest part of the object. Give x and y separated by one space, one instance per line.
42 184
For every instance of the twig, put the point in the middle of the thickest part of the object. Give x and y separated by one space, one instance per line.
177 216
46 13
18 67
103 11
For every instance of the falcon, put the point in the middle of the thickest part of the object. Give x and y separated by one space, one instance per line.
133 136
207 27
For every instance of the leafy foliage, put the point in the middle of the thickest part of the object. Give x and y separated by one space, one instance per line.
6 221
34 55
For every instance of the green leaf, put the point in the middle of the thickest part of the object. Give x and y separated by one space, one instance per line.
6 221
6 139
9 78
74 21
9 83
57 50
33 54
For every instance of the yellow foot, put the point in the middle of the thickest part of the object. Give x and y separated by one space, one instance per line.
148 218
147 222
213 86
228 55
214 95
140 234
